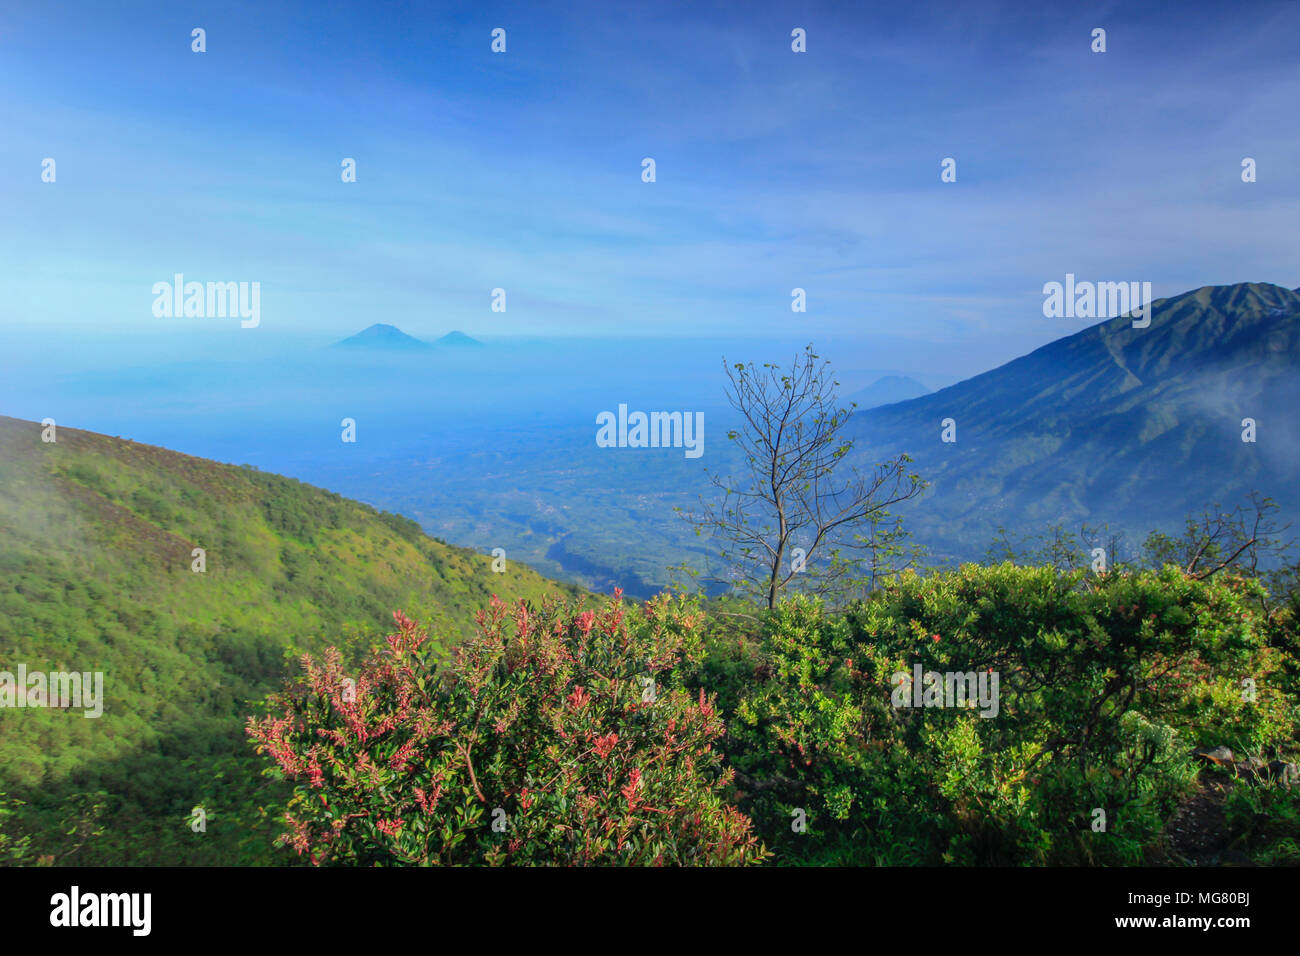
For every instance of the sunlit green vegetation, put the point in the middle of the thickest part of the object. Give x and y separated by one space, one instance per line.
96 541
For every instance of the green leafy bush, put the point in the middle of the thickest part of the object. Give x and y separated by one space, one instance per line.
1267 817
15 849
1105 684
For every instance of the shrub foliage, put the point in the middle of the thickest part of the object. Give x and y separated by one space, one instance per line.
1106 684
559 735
571 735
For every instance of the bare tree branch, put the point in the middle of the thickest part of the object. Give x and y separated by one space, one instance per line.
796 517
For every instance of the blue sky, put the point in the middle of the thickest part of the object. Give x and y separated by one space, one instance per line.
522 170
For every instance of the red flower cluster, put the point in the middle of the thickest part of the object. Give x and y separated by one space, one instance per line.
633 785
578 699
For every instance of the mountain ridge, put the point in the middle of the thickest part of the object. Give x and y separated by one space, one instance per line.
1033 434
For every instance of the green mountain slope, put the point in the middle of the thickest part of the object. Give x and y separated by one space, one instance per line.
1136 428
96 538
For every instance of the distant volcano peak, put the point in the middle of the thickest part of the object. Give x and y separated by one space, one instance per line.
381 336
459 340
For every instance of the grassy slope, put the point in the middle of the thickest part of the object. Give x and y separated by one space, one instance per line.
96 536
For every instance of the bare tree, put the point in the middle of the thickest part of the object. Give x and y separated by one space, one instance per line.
1111 542
799 509
1243 539
1059 548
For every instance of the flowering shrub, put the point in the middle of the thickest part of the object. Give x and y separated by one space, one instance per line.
558 735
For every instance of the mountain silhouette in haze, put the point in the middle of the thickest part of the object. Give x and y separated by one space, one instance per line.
386 337
389 338
1135 428
459 340
887 391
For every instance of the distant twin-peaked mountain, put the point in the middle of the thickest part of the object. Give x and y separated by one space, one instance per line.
1135 427
390 338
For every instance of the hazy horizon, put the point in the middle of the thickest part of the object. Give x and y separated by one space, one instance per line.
523 171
